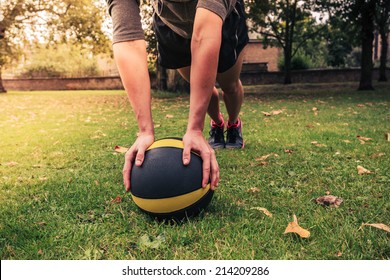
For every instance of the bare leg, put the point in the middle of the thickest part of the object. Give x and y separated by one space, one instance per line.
233 92
213 110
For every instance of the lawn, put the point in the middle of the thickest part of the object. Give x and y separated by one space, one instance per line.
60 177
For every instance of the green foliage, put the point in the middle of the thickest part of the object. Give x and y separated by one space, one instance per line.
287 25
63 21
60 61
298 62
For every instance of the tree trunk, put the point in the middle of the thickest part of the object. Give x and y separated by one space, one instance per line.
161 78
2 89
287 65
383 57
367 35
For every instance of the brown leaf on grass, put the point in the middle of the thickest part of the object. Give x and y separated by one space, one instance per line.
361 170
361 105
378 155
41 223
253 190
339 254
40 252
315 143
120 149
314 109
264 210
276 112
387 136
168 116
363 138
310 126
266 114
117 199
293 227
263 158
288 151
329 200
380 226
11 163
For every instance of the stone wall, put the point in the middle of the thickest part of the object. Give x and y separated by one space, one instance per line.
102 83
308 76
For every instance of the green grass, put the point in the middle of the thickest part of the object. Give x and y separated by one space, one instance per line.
59 175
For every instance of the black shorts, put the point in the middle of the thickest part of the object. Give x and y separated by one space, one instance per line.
175 51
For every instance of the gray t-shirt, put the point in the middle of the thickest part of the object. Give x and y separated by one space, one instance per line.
176 14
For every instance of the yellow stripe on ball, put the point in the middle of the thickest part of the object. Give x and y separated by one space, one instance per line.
169 142
170 204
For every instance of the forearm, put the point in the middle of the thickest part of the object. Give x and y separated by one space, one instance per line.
131 60
205 47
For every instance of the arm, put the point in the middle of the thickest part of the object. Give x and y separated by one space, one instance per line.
205 46
131 60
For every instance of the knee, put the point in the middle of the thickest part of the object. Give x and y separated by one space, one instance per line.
233 88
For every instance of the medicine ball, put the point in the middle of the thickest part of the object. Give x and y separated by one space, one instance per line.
164 187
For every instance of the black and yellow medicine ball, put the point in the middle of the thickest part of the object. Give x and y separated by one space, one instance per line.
165 188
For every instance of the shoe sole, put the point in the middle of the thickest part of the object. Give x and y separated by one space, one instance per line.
217 147
235 147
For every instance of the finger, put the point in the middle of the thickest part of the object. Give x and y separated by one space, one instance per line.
205 167
214 171
140 157
186 154
127 169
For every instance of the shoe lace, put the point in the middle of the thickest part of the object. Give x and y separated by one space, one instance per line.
233 133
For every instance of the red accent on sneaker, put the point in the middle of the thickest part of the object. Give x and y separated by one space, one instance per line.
214 124
236 124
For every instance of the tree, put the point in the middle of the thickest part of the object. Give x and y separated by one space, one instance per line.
362 14
287 24
382 20
76 21
341 39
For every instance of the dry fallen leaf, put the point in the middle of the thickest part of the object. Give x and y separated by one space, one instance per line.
276 112
117 199
362 170
329 200
380 226
361 105
11 163
315 143
378 155
262 158
288 151
253 190
314 109
266 114
387 135
169 116
295 228
363 138
120 149
264 210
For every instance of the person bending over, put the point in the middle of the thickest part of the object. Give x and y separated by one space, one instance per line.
204 40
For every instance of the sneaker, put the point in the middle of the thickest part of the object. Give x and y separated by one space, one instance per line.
216 139
234 138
